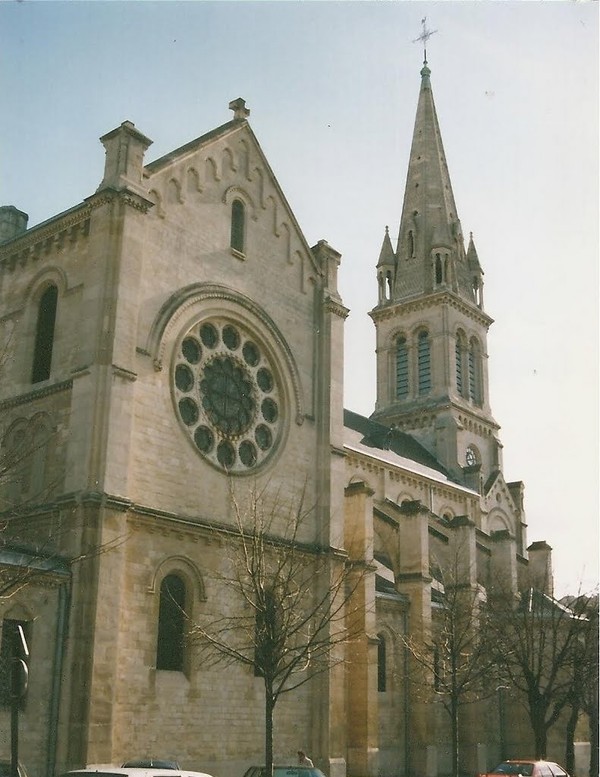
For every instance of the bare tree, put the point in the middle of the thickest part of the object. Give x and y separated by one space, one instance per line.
289 603
537 642
583 696
456 666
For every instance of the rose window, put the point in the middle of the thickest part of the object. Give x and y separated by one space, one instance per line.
227 395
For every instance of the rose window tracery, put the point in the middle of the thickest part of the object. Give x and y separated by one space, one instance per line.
227 395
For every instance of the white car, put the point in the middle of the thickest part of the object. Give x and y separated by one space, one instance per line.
134 771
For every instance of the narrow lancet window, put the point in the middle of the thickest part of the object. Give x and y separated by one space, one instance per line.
171 624
475 373
238 225
381 664
44 335
401 368
460 357
424 363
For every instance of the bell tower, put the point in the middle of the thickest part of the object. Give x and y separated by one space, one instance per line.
431 326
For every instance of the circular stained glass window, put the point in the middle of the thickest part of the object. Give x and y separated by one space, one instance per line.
227 395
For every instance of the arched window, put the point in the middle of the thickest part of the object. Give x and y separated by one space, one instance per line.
10 648
401 368
44 335
439 270
411 243
238 225
381 664
388 278
424 362
475 376
171 624
460 363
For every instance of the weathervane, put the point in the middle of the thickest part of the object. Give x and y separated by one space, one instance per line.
424 36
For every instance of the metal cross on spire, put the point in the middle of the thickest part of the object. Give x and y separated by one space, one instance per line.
424 36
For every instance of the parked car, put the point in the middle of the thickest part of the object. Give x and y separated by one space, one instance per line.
100 770
285 771
151 763
5 769
526 768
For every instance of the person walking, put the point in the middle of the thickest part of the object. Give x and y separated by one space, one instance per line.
303 759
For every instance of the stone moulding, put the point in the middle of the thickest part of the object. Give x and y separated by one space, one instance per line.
390 310
30 396
41 240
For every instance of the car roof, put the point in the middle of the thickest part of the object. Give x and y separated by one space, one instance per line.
134 771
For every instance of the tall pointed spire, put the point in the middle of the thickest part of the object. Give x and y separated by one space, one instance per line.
430 322
431 251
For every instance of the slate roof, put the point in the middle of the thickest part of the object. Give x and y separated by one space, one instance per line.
386 438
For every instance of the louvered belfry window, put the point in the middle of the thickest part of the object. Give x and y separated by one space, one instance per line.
401 368
424 362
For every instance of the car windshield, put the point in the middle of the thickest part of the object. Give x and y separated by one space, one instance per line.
514 767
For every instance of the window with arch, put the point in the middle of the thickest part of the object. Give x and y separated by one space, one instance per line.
10 648
238 225
475 376
171 624
424 362
460 350
381 664
439 269
401 368
44 335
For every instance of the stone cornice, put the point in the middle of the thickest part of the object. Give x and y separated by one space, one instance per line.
406 419
31 396
423 302
39 241
127 196
336 307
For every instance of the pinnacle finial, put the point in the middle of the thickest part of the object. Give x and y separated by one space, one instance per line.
424 36
239 108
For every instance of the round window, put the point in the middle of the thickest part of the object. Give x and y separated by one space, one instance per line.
227 395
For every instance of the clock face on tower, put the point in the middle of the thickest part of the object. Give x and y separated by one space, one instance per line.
227 395
471 457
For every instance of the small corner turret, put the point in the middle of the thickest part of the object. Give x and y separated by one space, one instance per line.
386 269
124 165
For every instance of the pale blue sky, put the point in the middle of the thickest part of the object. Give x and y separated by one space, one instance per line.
332 88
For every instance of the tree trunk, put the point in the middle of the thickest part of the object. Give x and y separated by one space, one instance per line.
455 753
269 707
594 728
540 733
570 739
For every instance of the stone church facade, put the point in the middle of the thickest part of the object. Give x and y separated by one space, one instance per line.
175 333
